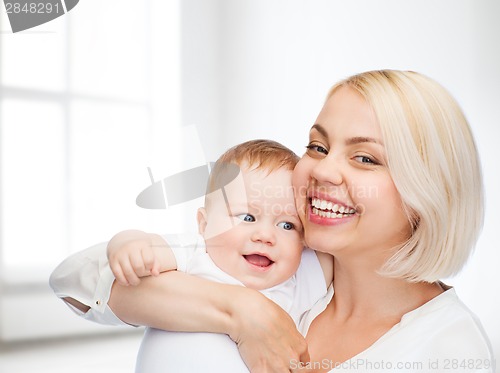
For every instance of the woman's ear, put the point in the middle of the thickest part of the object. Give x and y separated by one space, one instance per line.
201 217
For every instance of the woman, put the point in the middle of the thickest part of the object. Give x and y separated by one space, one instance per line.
396 148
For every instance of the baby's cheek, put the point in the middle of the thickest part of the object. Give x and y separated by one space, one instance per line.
294 262
296 249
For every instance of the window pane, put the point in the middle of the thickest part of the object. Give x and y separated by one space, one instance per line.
108 49
34 59
109 160
33 193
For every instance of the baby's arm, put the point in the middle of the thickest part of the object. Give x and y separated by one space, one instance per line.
133 254
85 278
326 262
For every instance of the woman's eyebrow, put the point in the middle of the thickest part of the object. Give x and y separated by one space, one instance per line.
320 129
362 139
351 141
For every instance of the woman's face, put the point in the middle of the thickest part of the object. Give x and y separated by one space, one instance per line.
345 195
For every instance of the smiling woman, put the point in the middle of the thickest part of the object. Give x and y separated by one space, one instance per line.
403 134
345 157
415 158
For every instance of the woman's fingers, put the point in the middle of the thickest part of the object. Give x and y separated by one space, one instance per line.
304 356
299 364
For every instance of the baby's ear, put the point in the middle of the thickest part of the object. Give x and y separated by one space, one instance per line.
201 217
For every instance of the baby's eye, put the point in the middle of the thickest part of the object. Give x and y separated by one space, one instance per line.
317 148
246 217
286 225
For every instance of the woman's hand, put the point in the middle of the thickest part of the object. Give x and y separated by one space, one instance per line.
266 335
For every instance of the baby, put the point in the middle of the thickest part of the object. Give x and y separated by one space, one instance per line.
250 235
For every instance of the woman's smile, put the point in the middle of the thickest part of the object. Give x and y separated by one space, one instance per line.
325 210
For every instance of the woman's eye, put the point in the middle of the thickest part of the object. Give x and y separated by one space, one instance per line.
317 148
286 225
365 159
246 217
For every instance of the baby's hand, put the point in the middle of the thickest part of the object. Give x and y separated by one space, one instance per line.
132 255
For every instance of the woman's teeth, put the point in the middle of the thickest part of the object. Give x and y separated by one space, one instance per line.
327 209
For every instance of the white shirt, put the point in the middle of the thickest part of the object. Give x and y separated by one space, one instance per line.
442 335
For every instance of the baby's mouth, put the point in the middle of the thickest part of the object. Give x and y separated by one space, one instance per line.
258 260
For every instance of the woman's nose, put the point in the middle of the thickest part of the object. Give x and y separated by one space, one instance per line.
328 170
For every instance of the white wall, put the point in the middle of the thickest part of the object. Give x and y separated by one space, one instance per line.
202 71
272 62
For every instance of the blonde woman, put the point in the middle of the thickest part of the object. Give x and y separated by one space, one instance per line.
390 185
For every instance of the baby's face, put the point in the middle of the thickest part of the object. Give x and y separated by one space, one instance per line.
254 234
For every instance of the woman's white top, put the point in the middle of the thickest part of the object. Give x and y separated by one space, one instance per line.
442 335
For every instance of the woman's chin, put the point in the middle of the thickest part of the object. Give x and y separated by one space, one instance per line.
322 243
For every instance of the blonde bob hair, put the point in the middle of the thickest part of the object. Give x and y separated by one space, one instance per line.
433 161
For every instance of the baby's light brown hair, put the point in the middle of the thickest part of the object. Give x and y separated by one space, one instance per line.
259 154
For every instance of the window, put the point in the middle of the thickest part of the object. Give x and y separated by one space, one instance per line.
86 102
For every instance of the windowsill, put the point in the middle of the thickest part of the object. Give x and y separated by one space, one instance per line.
112 353
34 312
32 277
29 310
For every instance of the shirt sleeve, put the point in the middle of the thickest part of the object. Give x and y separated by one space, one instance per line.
87 278
183 247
